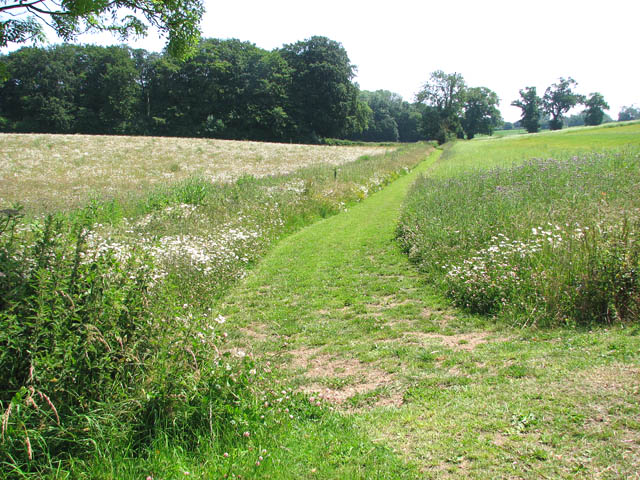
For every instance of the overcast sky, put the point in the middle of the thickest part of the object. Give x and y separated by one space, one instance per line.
504 45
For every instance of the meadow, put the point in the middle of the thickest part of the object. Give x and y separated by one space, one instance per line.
48 173
301 324
549 239
105 349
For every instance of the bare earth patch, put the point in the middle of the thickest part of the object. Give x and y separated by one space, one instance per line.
461 341
359 377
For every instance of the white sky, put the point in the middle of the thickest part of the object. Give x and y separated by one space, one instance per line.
504 45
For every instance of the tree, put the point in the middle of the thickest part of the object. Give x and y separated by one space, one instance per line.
594 113
481 114
445 94
629 113
323 98
530 104
558 99
23 21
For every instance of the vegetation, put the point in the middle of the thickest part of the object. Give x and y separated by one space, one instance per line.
110 360
558 99
629 113
332 357
594 113
566 258
227 89
530 104
22 22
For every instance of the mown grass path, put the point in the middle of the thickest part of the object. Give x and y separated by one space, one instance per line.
340 313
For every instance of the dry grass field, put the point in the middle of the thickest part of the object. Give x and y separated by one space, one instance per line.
53 172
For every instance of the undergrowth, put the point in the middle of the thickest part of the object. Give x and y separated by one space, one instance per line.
553 241
110 356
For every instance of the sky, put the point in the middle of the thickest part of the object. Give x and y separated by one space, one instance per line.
504 45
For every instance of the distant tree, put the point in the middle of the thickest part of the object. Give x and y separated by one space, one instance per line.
530 104
481 114
22 21
507 126
594 113
629 113
576 120
323 99
558 99
445 94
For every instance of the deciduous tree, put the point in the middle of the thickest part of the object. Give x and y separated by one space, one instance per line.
594 113
481 114
558 99
22 21
530 104
445 94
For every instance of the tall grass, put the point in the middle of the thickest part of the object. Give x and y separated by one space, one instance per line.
549 241
111 358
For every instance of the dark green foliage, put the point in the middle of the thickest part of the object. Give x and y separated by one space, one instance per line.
594 113
629 113
391 119
530 104
21 22
323 98
445 94
558 99
227 89
481 114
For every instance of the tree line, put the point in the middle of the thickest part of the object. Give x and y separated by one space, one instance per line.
558 99
226 89
302 92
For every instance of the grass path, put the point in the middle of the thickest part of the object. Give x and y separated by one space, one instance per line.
340 313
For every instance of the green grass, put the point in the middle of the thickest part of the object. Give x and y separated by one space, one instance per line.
487 152
367 371
339 313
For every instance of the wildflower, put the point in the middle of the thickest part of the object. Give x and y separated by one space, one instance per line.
246 434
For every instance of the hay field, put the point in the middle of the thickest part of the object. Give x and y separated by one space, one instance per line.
51 172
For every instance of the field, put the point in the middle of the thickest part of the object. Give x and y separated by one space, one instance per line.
53 172
470 312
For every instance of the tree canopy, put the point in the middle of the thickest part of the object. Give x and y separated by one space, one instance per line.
530 104
558 99
22 21
594 113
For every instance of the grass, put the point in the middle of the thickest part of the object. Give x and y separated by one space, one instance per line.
178 392
360 367
487 152
340 314
48 173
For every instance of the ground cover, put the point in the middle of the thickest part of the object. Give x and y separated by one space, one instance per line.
110 346
340 314
53 172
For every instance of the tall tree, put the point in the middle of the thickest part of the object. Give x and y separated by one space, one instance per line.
445 94
530 104
594 113
323 97
22 21
558 99
481 114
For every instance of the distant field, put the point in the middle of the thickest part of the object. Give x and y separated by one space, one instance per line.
508 133
51 172
488 152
